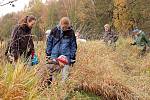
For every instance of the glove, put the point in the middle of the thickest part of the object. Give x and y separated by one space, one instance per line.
11 58
32 54
72 61
132 43
52 61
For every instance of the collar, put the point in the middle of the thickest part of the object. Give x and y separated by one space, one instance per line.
26 28
59 28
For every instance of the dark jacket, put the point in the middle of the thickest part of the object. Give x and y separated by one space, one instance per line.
66 46
21 41
110 36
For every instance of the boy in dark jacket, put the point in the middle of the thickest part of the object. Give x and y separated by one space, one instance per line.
62 41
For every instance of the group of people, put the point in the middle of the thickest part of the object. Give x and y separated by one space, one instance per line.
139 38
61 45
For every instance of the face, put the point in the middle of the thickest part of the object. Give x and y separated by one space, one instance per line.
77 33
31 24
135 33
64 27
107 29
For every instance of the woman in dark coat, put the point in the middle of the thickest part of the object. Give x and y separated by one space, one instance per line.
21 40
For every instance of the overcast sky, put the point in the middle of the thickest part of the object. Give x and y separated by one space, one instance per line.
19 5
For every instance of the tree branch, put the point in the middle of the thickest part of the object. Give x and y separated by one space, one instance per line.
10 2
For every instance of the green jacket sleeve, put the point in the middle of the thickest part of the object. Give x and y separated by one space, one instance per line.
146 39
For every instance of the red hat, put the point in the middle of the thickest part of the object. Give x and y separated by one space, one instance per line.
63 59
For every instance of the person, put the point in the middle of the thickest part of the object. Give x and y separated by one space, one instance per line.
109 36
79 37
62 41
77 34
47 33
21 42
141 40
53 67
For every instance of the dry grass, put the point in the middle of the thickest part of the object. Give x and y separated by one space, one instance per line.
96 62
111 74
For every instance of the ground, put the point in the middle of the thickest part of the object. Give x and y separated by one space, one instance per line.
95 63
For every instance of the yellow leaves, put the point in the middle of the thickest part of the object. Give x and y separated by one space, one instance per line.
121 16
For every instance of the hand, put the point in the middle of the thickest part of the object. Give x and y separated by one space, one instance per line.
132 43
49 61
73 61
52 61
48 58
11 58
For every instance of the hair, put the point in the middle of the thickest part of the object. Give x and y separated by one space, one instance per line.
65 20
107 25
26 19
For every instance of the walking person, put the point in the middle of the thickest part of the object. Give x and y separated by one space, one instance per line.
62 41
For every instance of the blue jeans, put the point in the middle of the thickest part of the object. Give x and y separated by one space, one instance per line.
65 73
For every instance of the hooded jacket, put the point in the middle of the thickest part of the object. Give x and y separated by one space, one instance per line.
66 46
21 41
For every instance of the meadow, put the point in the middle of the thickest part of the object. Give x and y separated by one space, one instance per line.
100 73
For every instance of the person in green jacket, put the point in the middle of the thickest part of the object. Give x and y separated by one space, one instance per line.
141 40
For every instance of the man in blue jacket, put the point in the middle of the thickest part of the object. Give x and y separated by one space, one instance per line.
62 41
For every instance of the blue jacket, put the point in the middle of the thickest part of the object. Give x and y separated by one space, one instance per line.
66 46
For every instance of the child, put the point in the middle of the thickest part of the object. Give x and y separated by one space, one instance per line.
53 66
62 41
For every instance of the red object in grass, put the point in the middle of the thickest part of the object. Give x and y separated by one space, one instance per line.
32 54
63 59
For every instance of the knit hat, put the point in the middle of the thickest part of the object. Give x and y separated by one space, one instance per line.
63 59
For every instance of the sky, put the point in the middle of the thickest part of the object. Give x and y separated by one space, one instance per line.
19 5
